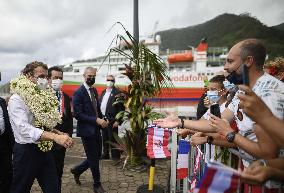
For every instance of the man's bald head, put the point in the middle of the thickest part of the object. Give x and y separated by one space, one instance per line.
233 60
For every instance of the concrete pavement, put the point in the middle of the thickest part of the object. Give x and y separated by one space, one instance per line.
114 180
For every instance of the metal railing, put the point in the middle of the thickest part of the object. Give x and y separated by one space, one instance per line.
183 186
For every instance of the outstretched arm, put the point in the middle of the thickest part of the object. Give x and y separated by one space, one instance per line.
201 125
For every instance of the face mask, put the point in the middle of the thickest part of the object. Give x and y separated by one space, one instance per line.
213 96
56 84
228 86
42 83
90 81
235 78
110 84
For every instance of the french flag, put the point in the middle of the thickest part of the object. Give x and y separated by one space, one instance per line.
157 142
218 178
182 161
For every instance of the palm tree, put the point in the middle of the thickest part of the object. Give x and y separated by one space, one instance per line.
148 74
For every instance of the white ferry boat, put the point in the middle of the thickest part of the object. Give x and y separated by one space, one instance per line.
188 69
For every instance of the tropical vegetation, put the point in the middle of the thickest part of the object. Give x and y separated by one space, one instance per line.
148 74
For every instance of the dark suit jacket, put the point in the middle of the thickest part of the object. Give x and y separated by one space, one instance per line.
85 113
67 120
112 110
7 138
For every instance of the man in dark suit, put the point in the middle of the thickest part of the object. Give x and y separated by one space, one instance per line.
6 148
55 75
110 110
90 121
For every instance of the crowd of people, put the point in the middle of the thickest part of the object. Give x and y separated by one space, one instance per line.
37 124
250 119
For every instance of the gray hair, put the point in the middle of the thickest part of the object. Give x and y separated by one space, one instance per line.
89 68
254 48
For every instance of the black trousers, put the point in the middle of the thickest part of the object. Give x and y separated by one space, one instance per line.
5 171
108 136
59 155
29 163
93 150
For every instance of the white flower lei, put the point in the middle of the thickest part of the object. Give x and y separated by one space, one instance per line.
42 103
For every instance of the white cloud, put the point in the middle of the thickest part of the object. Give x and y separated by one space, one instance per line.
57 32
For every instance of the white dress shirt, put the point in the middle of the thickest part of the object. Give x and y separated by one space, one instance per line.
105 100
2 123
22 121
88 89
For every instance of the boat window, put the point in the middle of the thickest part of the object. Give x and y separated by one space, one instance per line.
121 69
76 70
68 69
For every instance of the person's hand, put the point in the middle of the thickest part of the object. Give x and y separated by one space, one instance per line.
182 132
64 140
206 102
221 126
256 173
252 105
115 124
171 121
198 139
59 132
102 122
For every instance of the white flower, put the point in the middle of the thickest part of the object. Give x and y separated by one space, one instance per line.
42 103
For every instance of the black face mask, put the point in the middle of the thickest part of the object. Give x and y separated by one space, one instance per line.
90 81
235 78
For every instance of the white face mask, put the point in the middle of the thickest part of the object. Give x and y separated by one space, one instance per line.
213 96
56 84
42 83
110 84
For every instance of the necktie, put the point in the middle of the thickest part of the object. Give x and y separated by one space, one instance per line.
94 101
58 98
58 95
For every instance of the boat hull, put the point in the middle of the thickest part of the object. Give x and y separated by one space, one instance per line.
179 94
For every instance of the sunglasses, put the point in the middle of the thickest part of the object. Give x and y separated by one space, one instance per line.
111 80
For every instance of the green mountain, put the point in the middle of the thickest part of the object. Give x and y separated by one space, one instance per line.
224 31
279 27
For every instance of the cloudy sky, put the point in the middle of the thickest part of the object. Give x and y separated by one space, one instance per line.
61 31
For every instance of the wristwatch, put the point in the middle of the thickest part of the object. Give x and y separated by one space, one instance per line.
231 136
210 139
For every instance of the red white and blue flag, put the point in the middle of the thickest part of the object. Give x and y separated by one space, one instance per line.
182 160
157 142
218 178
